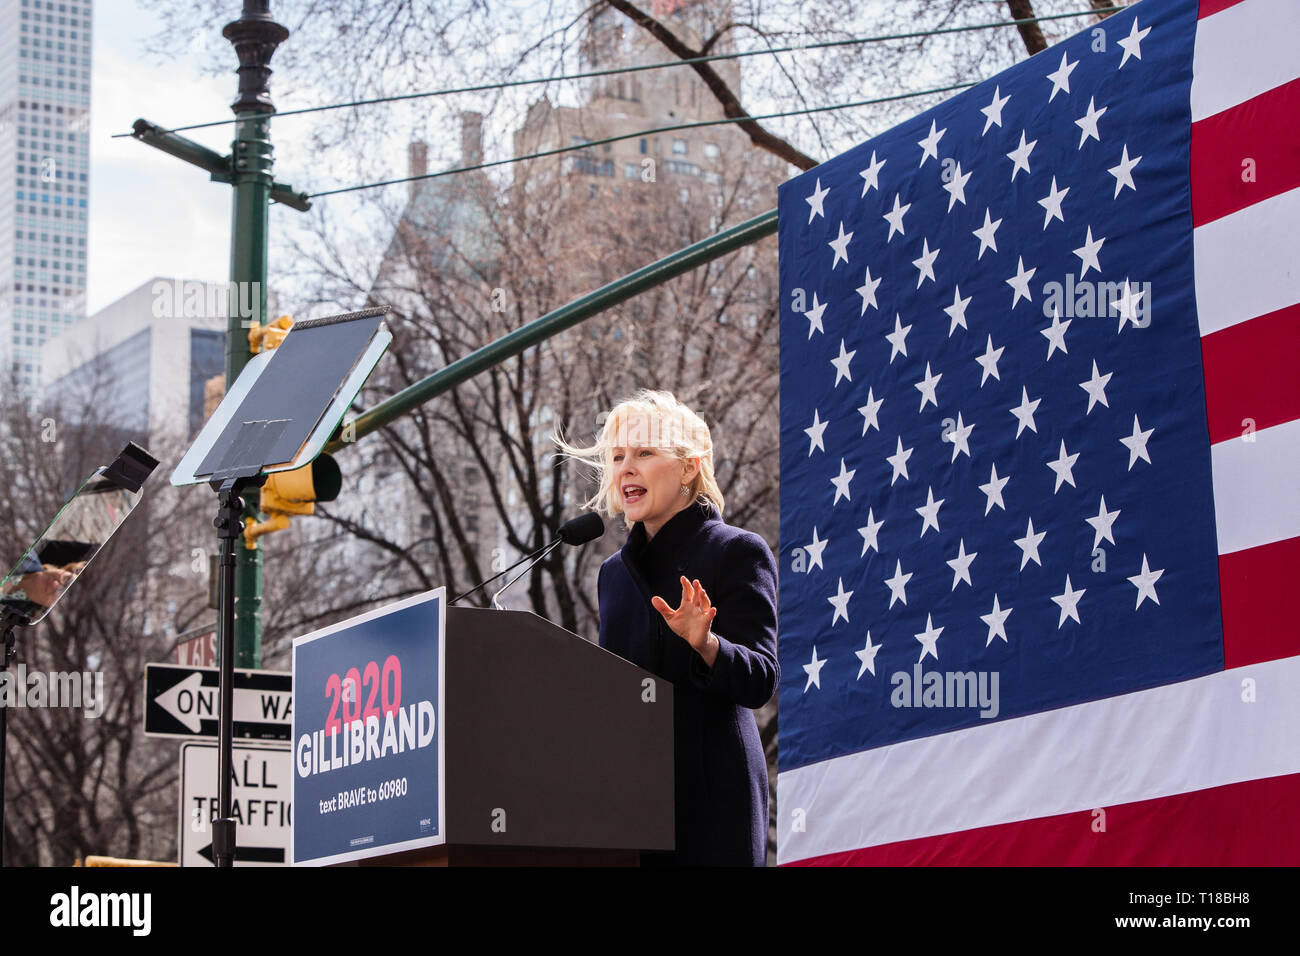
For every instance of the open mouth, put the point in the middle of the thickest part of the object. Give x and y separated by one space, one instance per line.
633 493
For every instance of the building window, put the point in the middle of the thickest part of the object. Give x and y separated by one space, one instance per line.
643 145
679 146
711 150
632 170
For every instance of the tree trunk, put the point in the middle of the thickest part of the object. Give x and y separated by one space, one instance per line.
1029 32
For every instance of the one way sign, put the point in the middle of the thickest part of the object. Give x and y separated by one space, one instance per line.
182 702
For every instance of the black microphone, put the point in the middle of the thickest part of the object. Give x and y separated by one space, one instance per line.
584 528
575 531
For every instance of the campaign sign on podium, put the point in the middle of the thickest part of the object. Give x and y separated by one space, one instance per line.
368 743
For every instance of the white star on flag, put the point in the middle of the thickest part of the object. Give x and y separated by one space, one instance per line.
871 175
816 200
1024 412
841 603
996 620
961 564
1087 123
1061 77
929 512
895 218
1145 582
993 490
1096 388
927 388
930 145
1055 334
1102 523
929 639
870 534
993 112
1137 444
1068 601
989 361
956 311
814 671
814 316
1123 173
961 438
1020 282
815 550
868 292
841 246
1087 254
956 187
1028 545
1020 156
985 235
842 364
871 412
1063 466
868 657
898 461
841 483
815 433
1132 44
898 584
925 264
1051 203
897 339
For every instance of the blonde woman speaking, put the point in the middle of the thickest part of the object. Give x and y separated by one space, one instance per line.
692 599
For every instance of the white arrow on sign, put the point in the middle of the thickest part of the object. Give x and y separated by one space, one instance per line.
188 701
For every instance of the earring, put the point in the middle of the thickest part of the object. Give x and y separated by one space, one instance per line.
685 490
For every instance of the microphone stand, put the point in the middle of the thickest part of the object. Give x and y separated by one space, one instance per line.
499 573
545 551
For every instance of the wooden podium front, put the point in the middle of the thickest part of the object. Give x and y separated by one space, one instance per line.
558 753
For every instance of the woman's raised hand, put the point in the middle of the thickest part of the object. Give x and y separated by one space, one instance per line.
692 620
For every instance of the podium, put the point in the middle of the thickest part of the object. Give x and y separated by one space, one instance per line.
557 751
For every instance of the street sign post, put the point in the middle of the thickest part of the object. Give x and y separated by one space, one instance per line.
262 803
182 702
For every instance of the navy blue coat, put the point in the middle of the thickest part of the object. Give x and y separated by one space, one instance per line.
721 774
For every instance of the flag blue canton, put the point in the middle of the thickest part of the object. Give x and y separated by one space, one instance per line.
994 450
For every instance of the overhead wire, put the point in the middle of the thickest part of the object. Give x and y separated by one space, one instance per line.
614 71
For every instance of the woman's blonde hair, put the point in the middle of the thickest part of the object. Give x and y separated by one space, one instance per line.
663 423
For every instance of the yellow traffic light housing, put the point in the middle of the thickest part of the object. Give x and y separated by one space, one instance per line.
269 336
294 492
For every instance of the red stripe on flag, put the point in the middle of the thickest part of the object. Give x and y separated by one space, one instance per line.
1251 823
1211 7
1246 154
1251 377
1256 590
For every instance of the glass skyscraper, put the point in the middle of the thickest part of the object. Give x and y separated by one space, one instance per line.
44 176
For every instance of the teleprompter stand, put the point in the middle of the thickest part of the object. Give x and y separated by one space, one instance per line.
51 566
230 526
277 416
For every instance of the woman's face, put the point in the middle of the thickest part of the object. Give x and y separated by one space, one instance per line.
647 478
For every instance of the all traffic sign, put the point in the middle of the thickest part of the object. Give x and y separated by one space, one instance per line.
261 801
182 702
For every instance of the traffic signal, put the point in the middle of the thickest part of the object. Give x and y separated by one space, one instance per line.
294 492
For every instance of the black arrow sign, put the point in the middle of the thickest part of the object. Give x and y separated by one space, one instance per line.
250 854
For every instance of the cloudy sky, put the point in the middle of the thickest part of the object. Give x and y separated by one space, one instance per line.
151 214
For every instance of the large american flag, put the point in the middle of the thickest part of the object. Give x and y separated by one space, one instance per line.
1040 461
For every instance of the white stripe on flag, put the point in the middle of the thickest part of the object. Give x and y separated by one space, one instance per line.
1257 488
1241 52
1246 263
1174 739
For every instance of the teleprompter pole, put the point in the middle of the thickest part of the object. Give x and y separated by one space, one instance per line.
230 508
